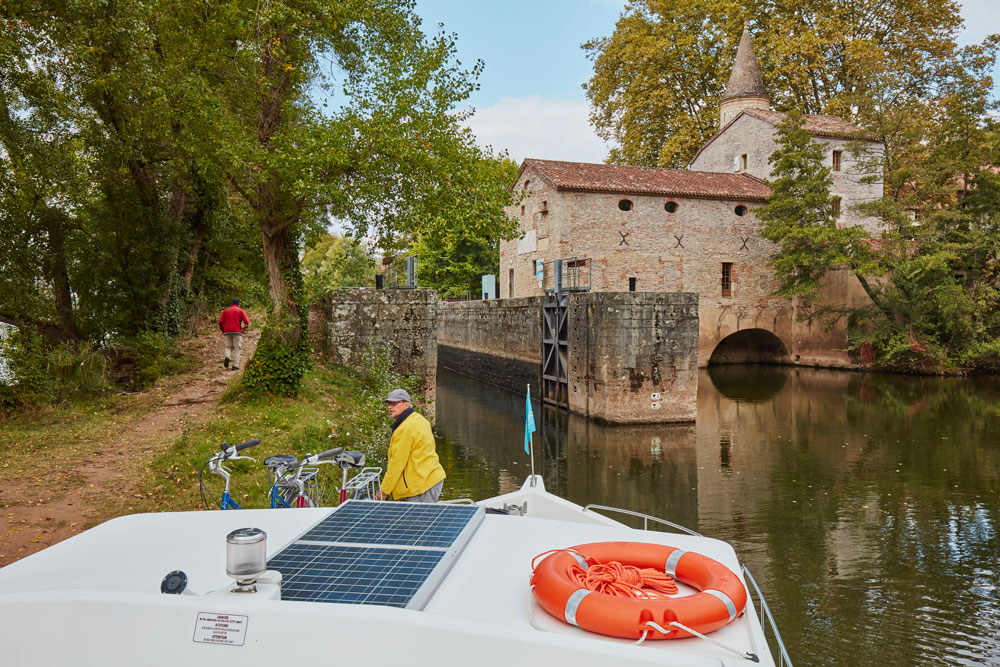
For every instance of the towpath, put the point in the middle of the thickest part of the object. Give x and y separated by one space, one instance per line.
96 480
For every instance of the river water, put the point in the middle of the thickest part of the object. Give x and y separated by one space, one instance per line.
867 507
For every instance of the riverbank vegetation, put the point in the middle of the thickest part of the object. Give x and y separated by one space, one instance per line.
158 159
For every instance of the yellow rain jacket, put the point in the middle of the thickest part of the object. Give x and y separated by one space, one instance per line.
413 461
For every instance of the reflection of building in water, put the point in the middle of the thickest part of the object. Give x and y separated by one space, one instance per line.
748 450
648 469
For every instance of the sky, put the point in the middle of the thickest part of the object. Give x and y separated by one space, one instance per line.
531 102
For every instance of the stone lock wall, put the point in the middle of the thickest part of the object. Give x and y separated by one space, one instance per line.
497 341
633 356
345 322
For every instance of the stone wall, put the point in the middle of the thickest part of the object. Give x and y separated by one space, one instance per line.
683 251
633 356
498 342
624 348
346 322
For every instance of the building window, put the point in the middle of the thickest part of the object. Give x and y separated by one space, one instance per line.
526 184
522 209
625 205
743 162
740 210
836 207
670 207
510 284
836 160
727 279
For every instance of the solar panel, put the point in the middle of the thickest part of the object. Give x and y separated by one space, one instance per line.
379 553
417 524
353 575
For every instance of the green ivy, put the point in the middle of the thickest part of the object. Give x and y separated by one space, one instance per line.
283 354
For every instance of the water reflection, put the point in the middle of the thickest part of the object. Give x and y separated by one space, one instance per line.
866 506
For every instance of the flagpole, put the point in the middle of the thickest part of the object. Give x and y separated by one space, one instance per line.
532 440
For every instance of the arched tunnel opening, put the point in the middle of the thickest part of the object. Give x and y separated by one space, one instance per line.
749 346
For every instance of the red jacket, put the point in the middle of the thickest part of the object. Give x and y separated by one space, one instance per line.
232 320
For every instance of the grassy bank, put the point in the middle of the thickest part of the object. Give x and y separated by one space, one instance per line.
319 418
44 450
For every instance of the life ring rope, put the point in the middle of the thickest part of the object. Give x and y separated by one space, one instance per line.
656 626
614 588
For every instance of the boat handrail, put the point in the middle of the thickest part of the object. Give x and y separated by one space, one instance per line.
765 614
457 501
646 518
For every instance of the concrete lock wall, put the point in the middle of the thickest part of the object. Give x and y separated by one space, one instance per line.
344 323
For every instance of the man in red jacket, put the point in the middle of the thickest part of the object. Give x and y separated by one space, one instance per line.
233 323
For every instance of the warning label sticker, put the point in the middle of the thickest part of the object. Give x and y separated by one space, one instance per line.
226 629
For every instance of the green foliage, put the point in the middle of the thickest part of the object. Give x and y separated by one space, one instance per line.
799 215
890 65
41 371
278 365
156 355
366 426
336 261
461 238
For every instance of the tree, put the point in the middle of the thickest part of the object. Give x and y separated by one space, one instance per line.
461 238
374 152
659 77
336 261
799 217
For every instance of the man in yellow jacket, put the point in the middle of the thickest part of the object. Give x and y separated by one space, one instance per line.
414 472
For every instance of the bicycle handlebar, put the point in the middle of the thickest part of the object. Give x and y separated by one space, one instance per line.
330 453
247 444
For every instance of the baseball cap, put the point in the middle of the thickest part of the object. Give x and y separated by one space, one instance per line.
236 302
397 395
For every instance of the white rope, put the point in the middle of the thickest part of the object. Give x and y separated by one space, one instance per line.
531 612
661 629
645 633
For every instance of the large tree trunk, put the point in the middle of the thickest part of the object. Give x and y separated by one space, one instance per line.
281 260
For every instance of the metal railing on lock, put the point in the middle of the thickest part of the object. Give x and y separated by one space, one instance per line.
764 612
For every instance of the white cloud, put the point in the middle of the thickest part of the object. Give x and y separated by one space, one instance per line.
541 128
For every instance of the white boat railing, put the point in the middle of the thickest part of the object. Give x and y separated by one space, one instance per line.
765 611
646 518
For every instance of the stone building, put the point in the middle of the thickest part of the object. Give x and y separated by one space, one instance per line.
621 228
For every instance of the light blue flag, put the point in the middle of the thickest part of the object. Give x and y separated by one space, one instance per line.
529 424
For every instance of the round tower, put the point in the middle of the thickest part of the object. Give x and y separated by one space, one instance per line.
745 89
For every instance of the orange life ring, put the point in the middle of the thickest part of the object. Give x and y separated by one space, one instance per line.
721 599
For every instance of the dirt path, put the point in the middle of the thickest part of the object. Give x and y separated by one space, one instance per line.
183 399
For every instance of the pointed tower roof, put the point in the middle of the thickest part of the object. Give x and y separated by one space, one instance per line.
745 80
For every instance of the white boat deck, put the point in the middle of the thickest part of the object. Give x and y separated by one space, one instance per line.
100 590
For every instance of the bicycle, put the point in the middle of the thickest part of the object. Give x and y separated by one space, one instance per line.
293 484
365 483
214 464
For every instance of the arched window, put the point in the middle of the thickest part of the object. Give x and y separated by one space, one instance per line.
740 210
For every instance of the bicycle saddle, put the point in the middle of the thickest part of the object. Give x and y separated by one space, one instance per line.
279 461
352 459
